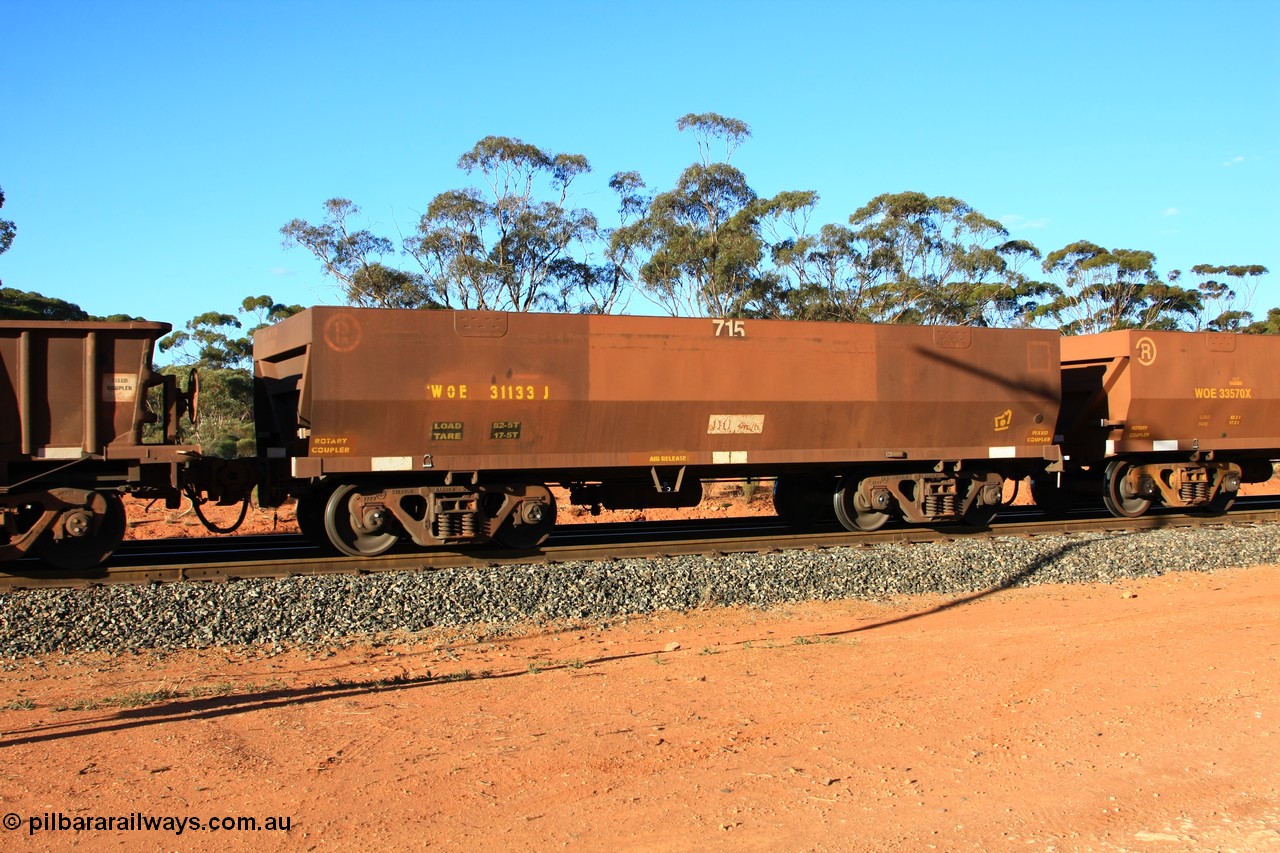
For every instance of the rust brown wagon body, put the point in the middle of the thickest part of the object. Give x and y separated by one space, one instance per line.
447 426
1178 418
73 407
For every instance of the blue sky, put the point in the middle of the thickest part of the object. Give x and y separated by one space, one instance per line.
150 152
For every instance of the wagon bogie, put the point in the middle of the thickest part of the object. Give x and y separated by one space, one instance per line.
87 530
1131 487
363 519
1187 484
524 516
1126 491
357 522
68 528
919 497
855 509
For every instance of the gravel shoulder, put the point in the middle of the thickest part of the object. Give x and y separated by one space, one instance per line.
1136 710
315 611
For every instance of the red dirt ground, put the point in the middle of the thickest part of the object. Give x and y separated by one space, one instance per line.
1137 717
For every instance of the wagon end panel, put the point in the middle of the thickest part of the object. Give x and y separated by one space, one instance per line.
281 369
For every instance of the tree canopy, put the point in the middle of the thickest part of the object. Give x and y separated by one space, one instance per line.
7 231
23 305
354 258
712 245
1099 289
510 242
703 241
908 258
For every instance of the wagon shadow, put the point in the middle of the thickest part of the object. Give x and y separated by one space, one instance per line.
212 708
1026 573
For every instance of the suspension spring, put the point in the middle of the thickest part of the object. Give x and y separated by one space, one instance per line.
1195 492
940 505
445 526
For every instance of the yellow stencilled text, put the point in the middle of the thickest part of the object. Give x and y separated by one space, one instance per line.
446 431
504 430
519 392
448 392
330 445
1224 393
1040 436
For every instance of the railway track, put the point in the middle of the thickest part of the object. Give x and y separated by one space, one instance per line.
285 555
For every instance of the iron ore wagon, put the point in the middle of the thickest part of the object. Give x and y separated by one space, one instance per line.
450 426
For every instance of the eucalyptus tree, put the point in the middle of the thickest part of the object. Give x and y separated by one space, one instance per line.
354 258
1268 326
605 287
821 275
216 340
703 239
1098 289
923 259
27 305
507 244
1225 291
7 229
218 347
704 248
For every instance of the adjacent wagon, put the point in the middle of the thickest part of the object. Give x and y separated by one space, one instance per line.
1173 418
73 412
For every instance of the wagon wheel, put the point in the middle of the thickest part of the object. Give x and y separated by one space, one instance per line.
365 536
91 534
1118 495
802 501
854 513
529 524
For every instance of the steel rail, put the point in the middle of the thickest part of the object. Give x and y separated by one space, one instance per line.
225 558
